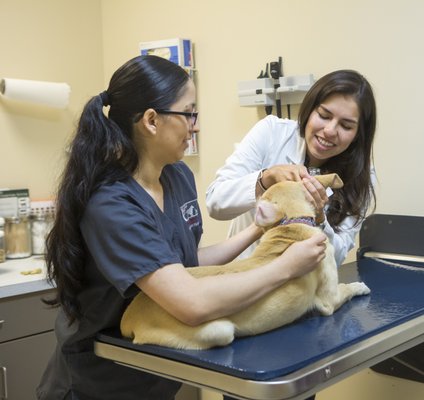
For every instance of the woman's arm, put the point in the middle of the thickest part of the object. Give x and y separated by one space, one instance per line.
226 251
271 142
233 191
197 300
343 239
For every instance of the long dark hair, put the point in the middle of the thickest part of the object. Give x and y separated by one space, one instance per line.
102 152
354 164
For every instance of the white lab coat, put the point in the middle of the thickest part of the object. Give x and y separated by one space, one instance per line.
231 195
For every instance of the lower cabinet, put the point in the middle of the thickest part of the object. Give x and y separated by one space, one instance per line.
27 341
23 361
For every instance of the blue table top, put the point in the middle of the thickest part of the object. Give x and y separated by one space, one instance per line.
397 296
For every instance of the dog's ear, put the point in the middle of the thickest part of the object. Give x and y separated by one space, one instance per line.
330 180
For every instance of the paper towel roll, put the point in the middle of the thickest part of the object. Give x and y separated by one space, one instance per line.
48 93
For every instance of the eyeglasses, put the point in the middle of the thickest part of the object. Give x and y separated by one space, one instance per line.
191 116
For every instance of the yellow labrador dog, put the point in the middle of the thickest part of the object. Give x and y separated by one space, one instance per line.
286 217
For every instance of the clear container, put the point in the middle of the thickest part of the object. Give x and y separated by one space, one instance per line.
2 244
41 223
17 235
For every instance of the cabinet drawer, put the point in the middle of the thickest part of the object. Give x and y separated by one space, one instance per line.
25 315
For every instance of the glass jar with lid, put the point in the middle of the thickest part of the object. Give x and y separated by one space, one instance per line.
17 235
41 224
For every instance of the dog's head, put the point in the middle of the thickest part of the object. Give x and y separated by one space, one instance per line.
287 200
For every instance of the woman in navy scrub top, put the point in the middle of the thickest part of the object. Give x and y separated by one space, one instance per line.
128 220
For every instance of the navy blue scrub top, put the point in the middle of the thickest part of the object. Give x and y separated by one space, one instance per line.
126 236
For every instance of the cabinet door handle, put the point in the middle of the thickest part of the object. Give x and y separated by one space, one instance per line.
3 383
1 323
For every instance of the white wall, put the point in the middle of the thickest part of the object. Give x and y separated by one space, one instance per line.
46 40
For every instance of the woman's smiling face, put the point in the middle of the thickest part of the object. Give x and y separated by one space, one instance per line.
331 128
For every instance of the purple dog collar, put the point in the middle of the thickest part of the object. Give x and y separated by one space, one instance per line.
300 220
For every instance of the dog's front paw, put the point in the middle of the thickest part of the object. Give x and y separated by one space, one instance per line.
360 289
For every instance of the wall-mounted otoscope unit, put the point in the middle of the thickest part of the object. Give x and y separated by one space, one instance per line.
273 89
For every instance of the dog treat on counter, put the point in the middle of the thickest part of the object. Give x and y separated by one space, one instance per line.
34 271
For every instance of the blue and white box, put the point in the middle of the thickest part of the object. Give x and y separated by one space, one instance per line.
179 51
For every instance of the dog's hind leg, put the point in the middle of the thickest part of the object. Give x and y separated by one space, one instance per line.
348 290
177 335
326 305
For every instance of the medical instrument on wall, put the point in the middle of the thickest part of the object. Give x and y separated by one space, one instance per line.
262 75
264 90
276 71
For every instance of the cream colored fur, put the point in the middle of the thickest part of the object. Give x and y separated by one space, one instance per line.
146 322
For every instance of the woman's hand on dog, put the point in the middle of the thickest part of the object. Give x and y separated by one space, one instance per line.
283 172
315 192
317 196
304 256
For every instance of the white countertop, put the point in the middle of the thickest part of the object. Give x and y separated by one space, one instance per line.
16 279
13 272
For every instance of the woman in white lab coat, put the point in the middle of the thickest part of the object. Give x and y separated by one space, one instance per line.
334 132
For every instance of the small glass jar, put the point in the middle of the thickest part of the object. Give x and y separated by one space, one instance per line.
41 223
17 235
2 243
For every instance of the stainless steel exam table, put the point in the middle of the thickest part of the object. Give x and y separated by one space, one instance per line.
300 359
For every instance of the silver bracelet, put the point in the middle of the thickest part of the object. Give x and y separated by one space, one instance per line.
259 180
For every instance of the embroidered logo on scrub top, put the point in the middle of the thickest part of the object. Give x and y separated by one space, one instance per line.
190 213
